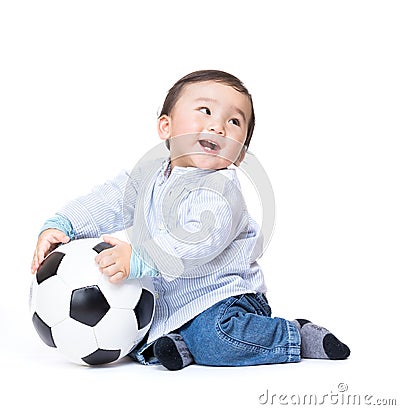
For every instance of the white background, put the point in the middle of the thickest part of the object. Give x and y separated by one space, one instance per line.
81 83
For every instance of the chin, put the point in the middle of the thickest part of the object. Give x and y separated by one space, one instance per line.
211 163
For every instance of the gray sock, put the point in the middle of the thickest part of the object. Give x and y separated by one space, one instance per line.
319 343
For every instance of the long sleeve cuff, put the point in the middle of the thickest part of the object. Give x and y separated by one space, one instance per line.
61 223
141 266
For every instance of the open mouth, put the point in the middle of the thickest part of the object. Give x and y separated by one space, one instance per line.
210 146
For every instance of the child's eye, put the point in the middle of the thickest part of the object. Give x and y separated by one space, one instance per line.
205 110
234 121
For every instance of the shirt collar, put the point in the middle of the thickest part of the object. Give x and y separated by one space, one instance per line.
166 170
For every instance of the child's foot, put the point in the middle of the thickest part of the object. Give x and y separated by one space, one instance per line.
319 343
172 352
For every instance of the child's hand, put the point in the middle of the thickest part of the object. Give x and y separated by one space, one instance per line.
47 241
115 262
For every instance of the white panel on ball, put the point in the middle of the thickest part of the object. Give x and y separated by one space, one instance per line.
86 272
123 325
124 295
52 301
75 340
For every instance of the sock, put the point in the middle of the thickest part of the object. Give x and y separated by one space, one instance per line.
319 343
172 352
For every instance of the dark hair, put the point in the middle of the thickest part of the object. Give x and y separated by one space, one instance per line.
208 75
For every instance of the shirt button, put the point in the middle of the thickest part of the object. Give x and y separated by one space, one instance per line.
156 295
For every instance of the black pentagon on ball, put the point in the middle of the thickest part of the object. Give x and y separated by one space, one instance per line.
101 356
88 305
102 246
44 331
49 267
144 309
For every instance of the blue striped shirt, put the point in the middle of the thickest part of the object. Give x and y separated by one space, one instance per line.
191 224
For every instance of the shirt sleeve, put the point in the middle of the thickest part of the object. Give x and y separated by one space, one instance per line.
108 208
61 223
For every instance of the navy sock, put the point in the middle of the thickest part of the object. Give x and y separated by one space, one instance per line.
172 352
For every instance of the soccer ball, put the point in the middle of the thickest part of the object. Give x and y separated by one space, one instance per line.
76 309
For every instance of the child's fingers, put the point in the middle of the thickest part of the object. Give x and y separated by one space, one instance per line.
58 237
117 277
105 259
109 270
47 242
113 262
115 272
38 259
65 239
111 240
34 264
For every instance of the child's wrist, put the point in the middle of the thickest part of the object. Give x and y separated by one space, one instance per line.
140 265
61 223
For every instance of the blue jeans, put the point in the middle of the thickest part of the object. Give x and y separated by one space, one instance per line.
238 331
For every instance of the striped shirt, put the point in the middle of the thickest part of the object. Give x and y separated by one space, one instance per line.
190 224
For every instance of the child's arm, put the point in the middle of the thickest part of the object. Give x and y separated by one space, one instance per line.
101 211
118 262
108 208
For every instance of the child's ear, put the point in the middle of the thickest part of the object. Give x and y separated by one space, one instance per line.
163 127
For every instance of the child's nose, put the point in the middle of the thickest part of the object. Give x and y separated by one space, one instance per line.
216 127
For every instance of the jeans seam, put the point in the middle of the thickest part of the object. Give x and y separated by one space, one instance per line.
237 343
292 349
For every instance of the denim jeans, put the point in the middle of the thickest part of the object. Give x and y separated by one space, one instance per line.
237 331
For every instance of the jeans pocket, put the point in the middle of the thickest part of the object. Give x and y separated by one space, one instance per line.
241 320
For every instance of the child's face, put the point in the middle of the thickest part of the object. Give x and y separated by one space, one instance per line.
207 126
